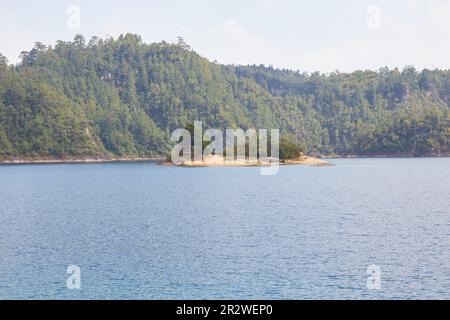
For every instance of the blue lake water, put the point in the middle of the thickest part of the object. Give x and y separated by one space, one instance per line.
143 231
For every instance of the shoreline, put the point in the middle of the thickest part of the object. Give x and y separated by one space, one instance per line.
220 162
317 161
80 160
380 156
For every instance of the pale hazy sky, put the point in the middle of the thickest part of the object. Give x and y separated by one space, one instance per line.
306 35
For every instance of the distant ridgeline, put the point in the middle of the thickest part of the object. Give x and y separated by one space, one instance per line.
124 97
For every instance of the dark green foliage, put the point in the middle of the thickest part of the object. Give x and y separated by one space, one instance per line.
124 97
289 149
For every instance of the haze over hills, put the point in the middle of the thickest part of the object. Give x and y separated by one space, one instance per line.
122 97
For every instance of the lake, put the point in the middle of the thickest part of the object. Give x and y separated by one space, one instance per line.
144 231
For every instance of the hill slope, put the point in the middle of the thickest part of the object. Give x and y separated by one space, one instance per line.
124 97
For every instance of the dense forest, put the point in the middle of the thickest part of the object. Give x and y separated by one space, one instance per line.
122 97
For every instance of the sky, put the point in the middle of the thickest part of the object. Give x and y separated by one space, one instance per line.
320 35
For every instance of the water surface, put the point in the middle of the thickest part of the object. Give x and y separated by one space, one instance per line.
143 231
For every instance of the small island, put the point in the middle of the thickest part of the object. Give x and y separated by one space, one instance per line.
290 153
216 161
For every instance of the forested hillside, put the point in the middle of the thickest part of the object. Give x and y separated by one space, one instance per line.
124 97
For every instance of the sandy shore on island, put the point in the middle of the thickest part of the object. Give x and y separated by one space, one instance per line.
216 161
306 160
